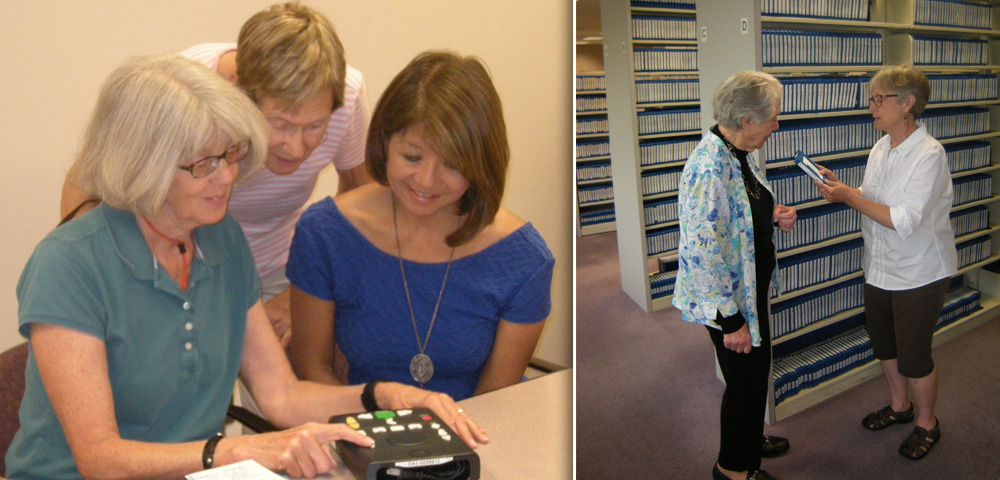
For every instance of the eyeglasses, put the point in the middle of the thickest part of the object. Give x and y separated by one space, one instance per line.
877 99
207 165
312 134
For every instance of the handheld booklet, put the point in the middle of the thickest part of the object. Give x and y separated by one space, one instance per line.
808 166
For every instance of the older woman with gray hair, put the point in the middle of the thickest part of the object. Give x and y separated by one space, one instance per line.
905 201
727 262
141 313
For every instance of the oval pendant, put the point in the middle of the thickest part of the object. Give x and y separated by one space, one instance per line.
421 368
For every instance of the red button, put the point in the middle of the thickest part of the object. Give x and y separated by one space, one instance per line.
425 417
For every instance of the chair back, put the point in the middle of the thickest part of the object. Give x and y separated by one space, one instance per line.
12 363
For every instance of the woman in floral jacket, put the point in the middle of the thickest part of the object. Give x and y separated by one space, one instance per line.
727 262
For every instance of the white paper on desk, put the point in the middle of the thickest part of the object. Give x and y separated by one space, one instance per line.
245 470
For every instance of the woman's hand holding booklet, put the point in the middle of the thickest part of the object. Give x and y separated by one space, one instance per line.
808 166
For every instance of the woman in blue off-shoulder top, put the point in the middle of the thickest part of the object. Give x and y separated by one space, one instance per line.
423 277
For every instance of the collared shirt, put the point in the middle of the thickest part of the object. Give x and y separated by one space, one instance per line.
914 181
173 355
716 258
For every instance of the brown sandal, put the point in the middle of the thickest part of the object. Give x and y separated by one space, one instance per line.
887 416
920 441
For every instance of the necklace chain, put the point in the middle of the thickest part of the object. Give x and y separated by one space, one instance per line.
406 287
751 185
185 265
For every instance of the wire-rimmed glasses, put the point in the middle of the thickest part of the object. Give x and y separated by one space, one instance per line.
207 165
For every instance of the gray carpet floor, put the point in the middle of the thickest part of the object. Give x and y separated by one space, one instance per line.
648 400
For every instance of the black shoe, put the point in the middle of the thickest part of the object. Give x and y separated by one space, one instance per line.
920 441
887 416
754 475
774 446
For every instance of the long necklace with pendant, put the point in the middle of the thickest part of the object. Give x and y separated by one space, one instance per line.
421 366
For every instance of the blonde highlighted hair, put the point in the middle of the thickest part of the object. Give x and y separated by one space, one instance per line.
452 101
155 113
290 53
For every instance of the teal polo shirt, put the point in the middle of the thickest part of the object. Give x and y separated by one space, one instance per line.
173 355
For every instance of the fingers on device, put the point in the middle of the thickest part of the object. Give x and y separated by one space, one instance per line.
808 166
409 444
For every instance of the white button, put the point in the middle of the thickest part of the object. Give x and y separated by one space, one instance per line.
390 421
415 426
187 306
188 346
402 413
189 326
378 430
396 428
365 416
442 432
362 432
446 438
435 425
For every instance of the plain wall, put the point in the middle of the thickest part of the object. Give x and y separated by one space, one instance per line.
56 53
589 58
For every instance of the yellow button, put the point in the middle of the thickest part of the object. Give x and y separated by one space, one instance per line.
353 423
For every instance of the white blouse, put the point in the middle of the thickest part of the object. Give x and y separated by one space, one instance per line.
914 181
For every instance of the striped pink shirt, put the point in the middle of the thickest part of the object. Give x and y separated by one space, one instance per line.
268 205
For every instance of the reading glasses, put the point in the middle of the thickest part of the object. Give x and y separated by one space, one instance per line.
207 165
877 99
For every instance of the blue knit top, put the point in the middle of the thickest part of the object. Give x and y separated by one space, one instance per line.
510 280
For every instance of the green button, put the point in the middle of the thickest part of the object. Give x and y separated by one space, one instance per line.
385 414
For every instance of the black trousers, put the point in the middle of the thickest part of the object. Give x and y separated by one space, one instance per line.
745 401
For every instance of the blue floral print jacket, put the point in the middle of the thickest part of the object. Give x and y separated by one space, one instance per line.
716 266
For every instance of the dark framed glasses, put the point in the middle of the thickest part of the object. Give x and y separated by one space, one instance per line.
877 99
207 165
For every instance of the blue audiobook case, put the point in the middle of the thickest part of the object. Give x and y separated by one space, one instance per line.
808 166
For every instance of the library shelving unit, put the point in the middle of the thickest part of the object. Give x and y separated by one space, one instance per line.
820 345
650 63
595 212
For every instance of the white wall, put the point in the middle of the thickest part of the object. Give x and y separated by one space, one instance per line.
56 53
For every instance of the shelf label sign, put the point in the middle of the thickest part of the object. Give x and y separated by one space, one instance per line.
744 26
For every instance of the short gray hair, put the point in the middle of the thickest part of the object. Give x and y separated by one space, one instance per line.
904 80
153 114
746 94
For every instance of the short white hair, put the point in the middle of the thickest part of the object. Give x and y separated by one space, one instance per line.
153 114
746 94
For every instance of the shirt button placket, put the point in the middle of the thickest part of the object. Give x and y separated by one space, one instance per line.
188 334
